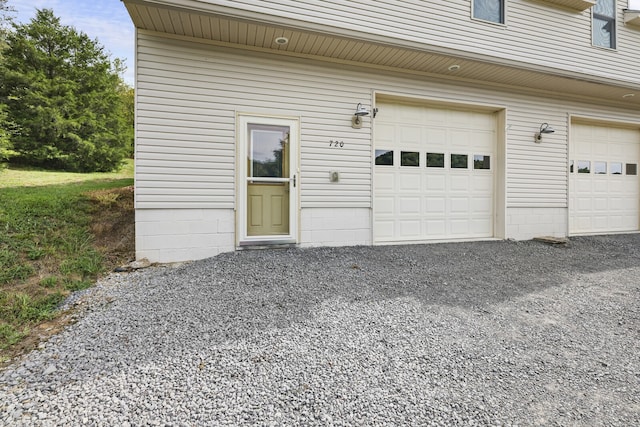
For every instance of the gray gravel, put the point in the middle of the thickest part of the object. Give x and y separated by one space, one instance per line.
485 333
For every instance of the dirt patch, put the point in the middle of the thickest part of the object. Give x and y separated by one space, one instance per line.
113 225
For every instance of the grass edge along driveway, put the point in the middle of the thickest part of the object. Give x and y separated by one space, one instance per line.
47 249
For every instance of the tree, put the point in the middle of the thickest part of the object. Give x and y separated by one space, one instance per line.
5 143
63 96
5 17
128 95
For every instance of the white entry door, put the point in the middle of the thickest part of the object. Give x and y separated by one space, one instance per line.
268 182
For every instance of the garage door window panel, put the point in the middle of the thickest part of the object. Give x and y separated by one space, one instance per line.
632 169
384 157
615 168
435 160
410 158
600 168
459 161
481 161
584 166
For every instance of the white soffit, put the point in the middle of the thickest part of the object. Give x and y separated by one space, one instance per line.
256 36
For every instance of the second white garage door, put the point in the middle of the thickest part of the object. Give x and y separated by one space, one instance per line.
434 173
604 189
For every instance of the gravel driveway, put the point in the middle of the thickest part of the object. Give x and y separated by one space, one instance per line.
485 333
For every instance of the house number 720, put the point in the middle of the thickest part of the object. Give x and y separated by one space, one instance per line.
336 144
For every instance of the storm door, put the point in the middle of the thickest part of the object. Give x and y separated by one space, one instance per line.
268 193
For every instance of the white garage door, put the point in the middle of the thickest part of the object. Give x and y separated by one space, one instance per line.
604 189
434 173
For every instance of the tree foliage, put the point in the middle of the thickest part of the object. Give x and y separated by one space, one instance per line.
128 95
64 98
5 16
5 143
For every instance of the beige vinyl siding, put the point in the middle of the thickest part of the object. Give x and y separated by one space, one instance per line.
536 32
189 93
208 89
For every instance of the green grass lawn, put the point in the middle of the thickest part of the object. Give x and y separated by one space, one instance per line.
28 177
46 246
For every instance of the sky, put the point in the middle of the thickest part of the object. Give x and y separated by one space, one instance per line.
106 20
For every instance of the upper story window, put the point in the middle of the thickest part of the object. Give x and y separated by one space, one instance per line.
489 10
604 24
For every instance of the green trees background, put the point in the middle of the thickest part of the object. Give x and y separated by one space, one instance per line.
5 142
63 103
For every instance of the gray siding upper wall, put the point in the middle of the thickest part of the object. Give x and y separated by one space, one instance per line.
536 32
189 93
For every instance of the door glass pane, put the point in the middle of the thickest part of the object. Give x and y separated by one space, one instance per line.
435 160
409 158
268 151
615 168
584 166
268 200
571 166
632 169
459 161
384 157
481 161
600 168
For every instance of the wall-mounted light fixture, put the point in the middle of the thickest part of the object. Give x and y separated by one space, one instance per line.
361 111
544 128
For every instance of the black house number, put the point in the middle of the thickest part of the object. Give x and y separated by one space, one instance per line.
336 144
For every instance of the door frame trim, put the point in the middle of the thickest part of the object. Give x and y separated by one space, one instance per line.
242 120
